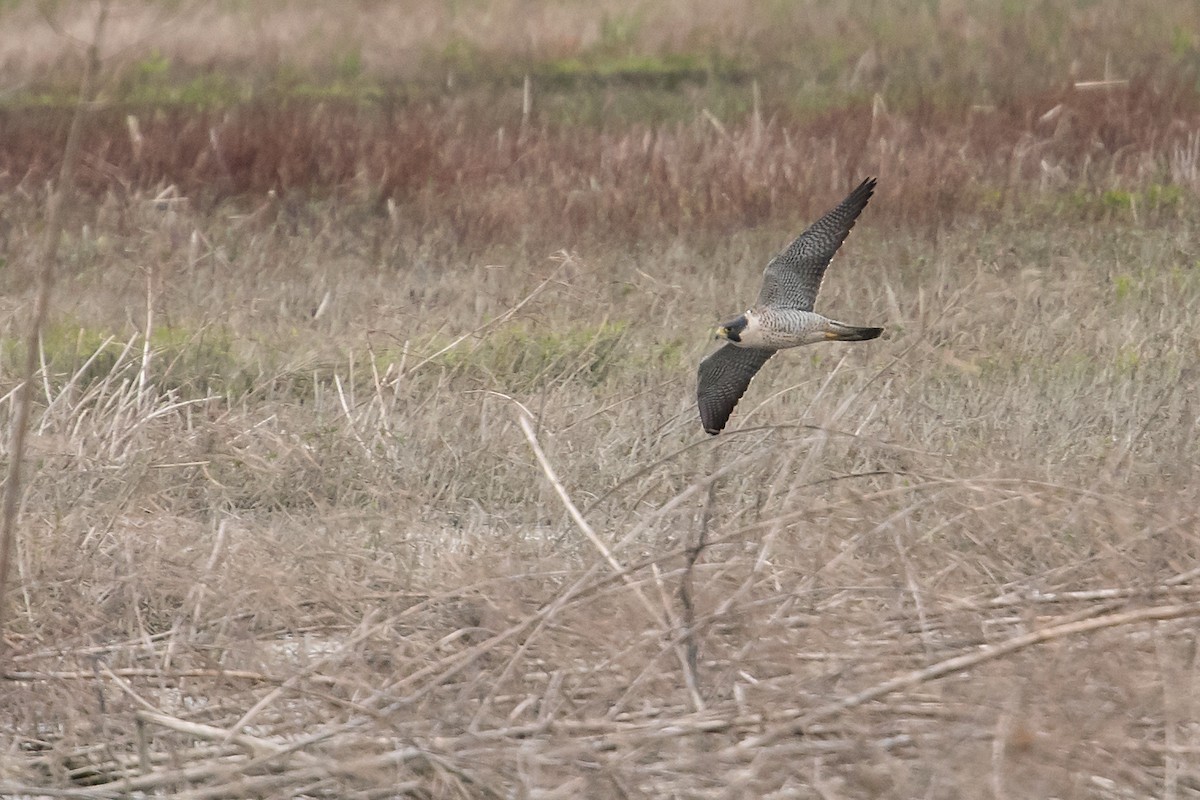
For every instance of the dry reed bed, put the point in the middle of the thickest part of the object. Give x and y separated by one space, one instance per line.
364 584
957 562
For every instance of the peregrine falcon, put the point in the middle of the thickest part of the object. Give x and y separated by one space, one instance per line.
783 316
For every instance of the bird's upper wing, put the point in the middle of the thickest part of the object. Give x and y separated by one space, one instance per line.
723 379
793 277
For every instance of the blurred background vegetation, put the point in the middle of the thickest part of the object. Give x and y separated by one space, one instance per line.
805 56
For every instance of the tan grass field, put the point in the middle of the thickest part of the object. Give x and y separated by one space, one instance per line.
364 460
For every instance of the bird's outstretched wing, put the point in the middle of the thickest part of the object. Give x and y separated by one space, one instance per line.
793 277
723 379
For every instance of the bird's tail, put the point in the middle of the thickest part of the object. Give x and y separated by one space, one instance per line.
841 332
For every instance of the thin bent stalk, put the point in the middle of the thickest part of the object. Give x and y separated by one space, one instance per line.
22 398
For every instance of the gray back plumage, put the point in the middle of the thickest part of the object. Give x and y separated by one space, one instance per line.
793 277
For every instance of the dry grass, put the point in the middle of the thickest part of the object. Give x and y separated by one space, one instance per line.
967 50
335 497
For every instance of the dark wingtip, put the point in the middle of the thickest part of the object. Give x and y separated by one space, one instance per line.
712 422
712 419
865 190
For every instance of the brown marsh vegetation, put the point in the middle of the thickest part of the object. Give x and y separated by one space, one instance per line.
364 460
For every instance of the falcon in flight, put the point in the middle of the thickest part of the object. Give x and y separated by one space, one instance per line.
783 316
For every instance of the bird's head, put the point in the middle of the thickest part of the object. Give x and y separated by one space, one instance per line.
733 330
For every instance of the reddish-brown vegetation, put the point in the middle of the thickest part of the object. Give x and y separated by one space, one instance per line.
485 175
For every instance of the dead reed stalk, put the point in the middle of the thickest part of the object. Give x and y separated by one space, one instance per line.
23 397
686 657
908 680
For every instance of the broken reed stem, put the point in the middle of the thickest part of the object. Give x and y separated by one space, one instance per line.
580 522
949 666
663 618
686 583
23 397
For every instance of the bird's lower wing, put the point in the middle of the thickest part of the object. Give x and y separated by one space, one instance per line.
723 379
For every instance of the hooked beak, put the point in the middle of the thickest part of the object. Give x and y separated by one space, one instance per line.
727 332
